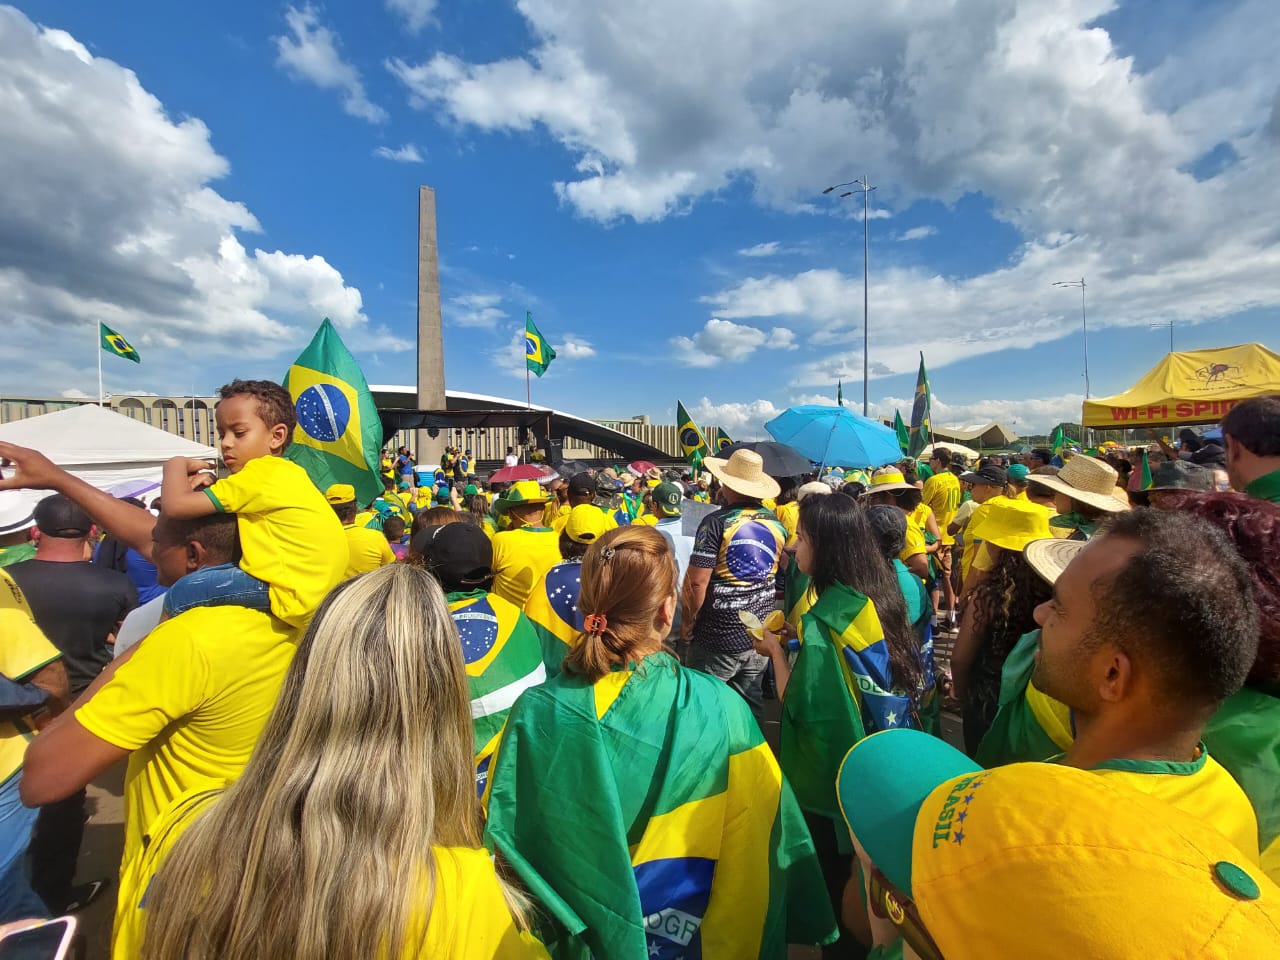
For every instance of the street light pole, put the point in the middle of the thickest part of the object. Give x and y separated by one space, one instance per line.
1084 326
865 189
1165 323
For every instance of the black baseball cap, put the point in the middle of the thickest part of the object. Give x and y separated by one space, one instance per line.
457 554
582 483
990 474
58 516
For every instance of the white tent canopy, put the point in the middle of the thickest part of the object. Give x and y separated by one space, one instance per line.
109 450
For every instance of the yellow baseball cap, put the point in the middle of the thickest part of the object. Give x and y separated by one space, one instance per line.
1041 860
1012 524
586 523
340 493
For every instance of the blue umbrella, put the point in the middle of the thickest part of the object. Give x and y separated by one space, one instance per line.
836 435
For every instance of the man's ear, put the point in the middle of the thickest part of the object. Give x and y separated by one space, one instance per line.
1117 680
195 555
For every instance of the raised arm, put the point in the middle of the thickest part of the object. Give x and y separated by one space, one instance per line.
34 471
182 489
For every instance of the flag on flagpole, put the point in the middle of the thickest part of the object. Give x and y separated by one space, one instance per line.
1147 481
115 344
538 354
338 438
921 434
900 428
840 393
692 445
723 440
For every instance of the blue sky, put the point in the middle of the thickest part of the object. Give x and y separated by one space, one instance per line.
646 178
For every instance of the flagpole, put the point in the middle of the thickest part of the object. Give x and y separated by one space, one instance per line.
99 345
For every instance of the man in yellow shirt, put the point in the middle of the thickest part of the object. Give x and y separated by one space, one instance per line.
185 705
941 494
366 549
988 485
524 551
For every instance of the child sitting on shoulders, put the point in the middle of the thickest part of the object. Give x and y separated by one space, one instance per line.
294 549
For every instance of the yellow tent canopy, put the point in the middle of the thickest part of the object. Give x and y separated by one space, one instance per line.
1198 386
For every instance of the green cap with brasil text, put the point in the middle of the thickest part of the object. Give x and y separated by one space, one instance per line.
1043 860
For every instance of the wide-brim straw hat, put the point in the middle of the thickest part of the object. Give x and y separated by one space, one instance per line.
1050 557
1088 480
1012 524
744 473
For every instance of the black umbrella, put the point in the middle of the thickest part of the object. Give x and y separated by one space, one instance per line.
779 459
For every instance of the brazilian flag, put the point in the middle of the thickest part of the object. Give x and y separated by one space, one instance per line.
692 445
900 428
654 823
338 438
723 440
538 354
921 433
115 344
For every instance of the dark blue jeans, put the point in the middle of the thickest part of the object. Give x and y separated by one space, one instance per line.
223 585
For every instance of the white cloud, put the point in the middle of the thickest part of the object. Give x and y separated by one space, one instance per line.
107 213
1025 417
769 249
71 393
409 153
780 338
742 421
573 347
311 53
720 341
415 13
918 233
1028 105
475 310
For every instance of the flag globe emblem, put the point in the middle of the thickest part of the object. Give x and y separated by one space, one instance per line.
477 629
323 412
752 552
689 437
531 347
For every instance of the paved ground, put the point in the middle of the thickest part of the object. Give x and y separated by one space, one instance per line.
104 835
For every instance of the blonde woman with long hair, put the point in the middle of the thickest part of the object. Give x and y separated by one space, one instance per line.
354 830
638 800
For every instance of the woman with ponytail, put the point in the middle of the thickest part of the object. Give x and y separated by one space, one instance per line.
637 799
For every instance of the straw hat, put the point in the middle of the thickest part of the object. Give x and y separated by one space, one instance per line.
1088 480
1050 557
812 487
888 478
1011 524
744 473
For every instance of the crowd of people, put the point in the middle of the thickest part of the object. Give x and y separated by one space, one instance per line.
527 719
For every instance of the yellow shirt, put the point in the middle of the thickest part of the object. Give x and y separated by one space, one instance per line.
520 558
290 536
789 514
190 703
366 550
915 543
1203 788
469 918
941 494
24 649
919 517
971 542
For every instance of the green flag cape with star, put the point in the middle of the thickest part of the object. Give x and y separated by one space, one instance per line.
692 445
654 823
338 438
538 354
115 344
921 419
900 428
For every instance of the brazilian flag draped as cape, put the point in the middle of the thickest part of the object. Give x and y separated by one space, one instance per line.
1243 736
841 689
338 438
647 815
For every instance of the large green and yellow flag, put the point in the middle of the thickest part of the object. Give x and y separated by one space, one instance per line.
338 438
900 428
115 344
921 434
655 823
693 447
538 354
722 440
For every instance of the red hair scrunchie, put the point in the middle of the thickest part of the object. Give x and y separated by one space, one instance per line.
595 623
